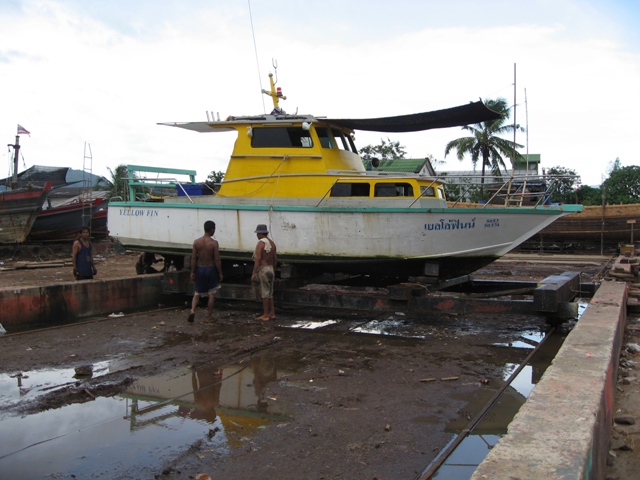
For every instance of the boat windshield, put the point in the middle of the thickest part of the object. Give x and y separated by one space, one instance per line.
281 137
380 189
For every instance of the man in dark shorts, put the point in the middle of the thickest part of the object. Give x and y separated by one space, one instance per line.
206 269
82 255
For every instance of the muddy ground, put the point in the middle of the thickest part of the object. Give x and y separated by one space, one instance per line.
336 404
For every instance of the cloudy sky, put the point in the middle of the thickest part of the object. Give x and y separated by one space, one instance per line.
104 73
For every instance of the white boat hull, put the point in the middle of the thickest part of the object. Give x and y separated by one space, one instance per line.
360 239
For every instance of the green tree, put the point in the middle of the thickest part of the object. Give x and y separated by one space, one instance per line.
589 195
386 150
463 191
214 179
485 143
623 185
118 181
562 183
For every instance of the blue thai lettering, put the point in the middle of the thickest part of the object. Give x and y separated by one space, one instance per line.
450 224
492 223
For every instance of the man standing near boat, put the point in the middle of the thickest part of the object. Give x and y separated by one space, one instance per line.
206 269
82 255
264 271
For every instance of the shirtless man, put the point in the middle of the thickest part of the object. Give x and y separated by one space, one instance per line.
206 269
264 271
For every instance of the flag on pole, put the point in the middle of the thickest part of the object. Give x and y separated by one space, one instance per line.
21 130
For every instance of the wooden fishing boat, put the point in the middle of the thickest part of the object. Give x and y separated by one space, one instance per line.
607 224
62 222
19 207
302 176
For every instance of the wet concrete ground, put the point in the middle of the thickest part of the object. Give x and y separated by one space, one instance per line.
316 394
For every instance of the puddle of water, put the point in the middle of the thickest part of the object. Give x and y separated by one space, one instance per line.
156 418
389 327
582 306
95 440
312 325
28 385
529 340
466 457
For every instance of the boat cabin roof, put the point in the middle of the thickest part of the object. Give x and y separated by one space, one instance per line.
474 112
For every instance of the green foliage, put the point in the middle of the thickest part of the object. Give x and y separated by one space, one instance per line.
485 143
623 185
589 195
562 182
464 191
118 182
214 179
386 150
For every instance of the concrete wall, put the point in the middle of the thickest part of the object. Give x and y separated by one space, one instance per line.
563 430
75 300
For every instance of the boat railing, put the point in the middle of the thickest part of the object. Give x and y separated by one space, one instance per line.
140 185
518 191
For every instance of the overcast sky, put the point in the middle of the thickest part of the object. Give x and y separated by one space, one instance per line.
104 73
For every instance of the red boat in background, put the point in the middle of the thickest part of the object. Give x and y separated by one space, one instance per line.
63 222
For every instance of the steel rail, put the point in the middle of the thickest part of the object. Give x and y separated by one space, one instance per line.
442 457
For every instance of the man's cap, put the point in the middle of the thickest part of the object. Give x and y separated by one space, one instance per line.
261 229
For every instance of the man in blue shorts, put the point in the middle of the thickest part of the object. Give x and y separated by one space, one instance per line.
206 269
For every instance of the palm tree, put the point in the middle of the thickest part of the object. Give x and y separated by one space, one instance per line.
118 186
486 143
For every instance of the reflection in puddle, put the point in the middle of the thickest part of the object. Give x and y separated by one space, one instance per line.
156 418
28 385
473 449
466 457
311 325
527 340
389 327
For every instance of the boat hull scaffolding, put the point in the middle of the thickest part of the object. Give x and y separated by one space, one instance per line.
18 211
391 241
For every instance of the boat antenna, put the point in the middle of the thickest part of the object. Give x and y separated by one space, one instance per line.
526 122
275 93
255 49
515 127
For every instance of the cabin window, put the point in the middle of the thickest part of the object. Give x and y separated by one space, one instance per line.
281 137
427 192
326 140
393 190
350 190
353 145
343 141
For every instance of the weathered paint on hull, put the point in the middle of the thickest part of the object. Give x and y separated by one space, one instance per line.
64 222
351 240
18 211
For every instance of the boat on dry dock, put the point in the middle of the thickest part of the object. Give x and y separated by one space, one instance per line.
303 177
19 206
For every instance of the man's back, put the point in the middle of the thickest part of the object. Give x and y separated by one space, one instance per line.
205 248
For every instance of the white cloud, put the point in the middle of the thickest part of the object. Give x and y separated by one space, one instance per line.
76 73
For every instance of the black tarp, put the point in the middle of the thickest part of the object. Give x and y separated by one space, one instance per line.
60 176
474 112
